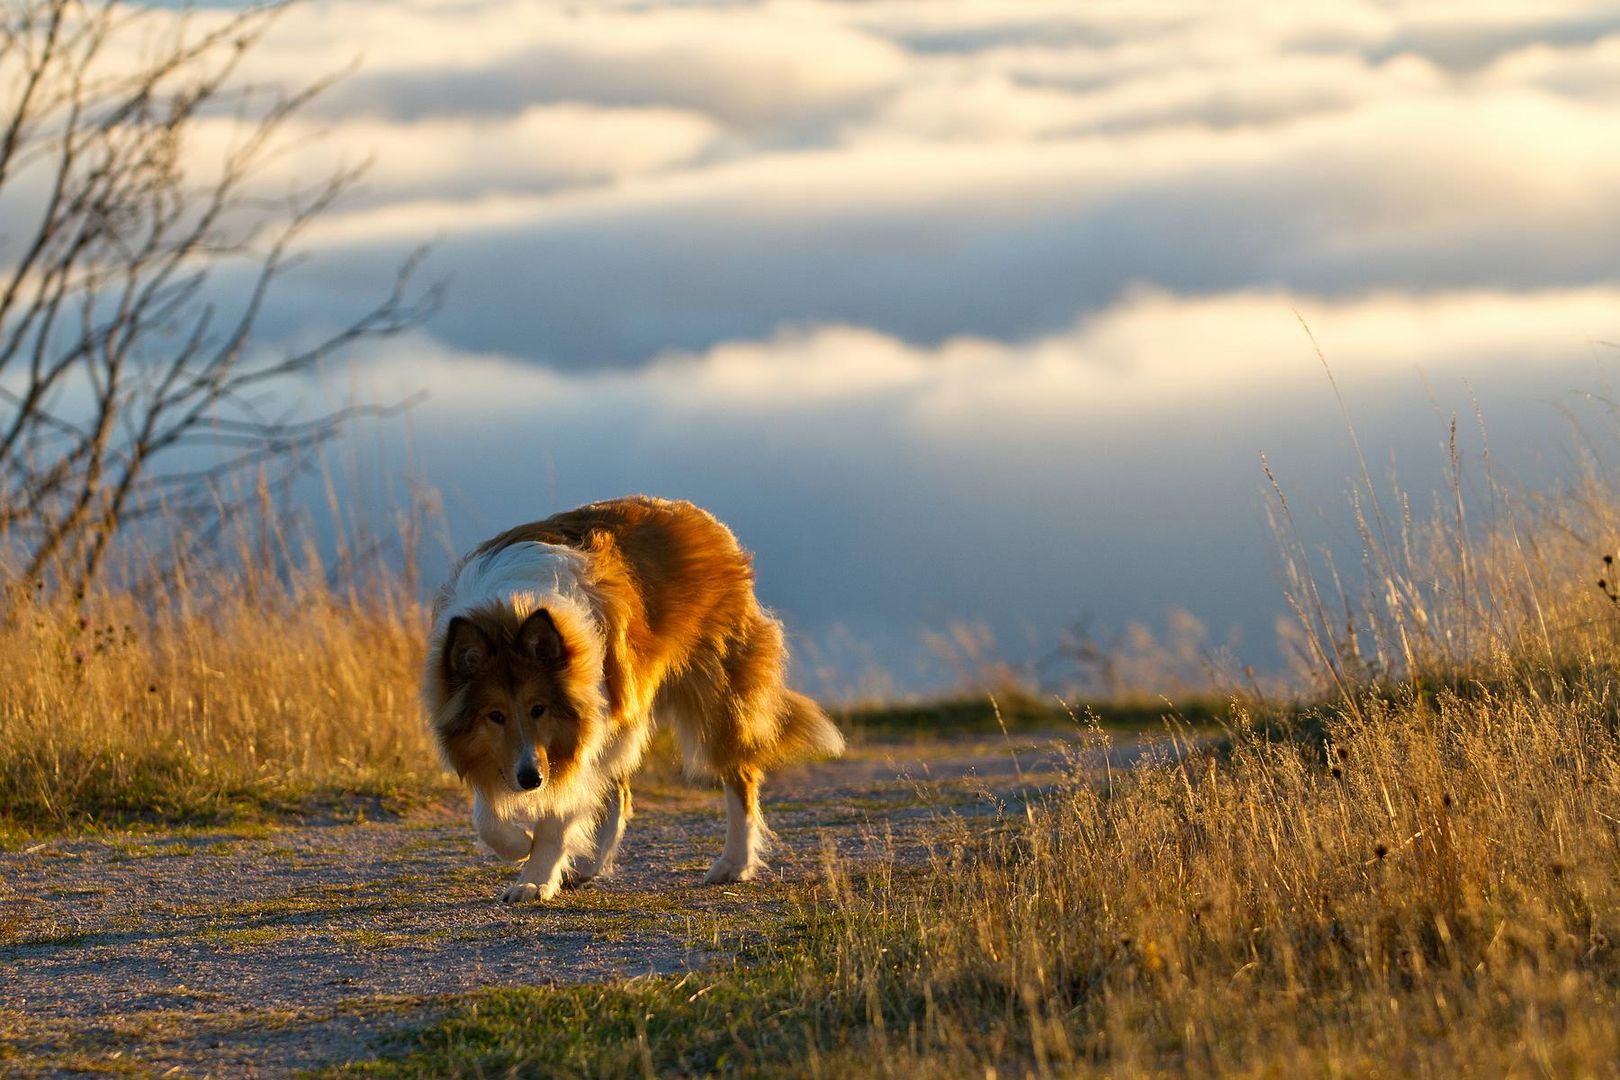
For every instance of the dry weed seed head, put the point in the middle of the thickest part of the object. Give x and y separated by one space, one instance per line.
1606 585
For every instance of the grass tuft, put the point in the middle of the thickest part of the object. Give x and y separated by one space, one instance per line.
242 708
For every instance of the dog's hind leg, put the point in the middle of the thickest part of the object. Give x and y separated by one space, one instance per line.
746 834
609 831
557 839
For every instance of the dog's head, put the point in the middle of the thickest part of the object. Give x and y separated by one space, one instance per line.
512 720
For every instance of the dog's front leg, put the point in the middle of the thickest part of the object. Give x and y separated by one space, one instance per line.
508 839
609 831
542 875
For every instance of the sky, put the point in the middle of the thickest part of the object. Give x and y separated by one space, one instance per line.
967 311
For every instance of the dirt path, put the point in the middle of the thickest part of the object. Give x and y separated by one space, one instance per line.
260 953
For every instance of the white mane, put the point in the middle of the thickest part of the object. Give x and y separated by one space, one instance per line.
521 577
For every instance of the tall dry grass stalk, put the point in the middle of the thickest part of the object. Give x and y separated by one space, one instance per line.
1503 584
250 677
1440 896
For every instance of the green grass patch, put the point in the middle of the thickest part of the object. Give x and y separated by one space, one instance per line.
51 938
737 1020
165 792
245 936
14 920
368 939
1021 712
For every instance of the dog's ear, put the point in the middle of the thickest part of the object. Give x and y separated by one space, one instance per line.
467 650
539 639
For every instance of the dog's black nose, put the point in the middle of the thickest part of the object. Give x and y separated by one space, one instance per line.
528 777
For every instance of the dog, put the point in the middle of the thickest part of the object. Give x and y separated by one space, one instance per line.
555 646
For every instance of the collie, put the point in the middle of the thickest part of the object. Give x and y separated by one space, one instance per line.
556 644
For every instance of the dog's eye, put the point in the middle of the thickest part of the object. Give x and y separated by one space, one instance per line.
497 717
537 712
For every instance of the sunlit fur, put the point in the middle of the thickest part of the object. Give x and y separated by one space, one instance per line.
556 644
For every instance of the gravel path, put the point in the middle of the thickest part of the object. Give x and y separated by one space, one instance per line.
266 951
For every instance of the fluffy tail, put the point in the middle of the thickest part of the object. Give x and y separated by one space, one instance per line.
806 732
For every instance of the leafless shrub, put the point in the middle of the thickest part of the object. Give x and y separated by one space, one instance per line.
130 385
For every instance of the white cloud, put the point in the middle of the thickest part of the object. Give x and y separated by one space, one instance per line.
1587 73
543 148
751 66
972 103
1154 351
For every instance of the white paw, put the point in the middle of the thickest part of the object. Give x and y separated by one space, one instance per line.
725 870
521 892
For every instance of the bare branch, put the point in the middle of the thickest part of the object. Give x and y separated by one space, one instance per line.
122 348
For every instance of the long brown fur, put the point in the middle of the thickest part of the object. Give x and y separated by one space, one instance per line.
675 631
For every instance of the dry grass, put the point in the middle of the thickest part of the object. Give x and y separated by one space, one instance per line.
1440 895
246 693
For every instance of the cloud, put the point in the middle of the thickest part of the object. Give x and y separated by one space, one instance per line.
979 104
1011 239
748 66
1588 73
1152 351
1458 37
1462 40
544 148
